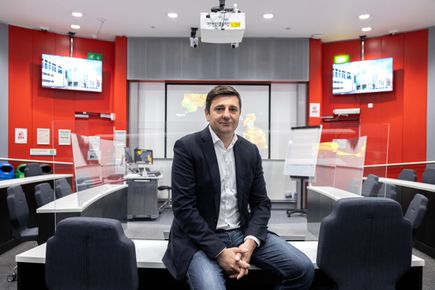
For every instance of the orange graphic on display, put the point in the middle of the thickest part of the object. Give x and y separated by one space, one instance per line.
191 102
252 133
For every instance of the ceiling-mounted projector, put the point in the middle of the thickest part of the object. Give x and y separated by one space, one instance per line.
222 25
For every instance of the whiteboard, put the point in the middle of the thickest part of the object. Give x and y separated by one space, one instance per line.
302 151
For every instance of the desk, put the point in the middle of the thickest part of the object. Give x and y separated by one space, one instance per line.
149 253
28 184
321 201
107 200
143 199
425 238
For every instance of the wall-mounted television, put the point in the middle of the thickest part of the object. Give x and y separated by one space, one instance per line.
367 76
71 73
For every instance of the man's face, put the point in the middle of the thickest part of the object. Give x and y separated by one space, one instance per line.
224 115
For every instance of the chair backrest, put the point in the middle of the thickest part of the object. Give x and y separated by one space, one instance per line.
370 186
46 168
416 210
43 194
19 214
388 191
90 253
62 187
365 243
33 169
429 175
408 174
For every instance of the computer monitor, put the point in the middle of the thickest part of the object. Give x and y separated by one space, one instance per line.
144 156
128 157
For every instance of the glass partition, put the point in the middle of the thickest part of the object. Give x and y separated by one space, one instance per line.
341 166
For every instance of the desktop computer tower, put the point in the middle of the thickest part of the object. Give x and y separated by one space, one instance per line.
142 198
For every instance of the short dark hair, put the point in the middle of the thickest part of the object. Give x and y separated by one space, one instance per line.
221 90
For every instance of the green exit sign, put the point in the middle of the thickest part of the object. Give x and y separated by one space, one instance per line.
342 58
95 56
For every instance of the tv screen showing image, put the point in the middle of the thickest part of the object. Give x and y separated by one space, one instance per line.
71 73
367 76
144 156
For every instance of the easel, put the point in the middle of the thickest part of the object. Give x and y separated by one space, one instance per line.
301 191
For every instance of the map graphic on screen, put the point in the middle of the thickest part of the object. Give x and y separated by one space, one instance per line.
185 113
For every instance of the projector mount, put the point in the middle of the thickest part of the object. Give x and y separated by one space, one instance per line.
221 8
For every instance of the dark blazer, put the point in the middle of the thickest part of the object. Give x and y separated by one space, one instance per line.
196 192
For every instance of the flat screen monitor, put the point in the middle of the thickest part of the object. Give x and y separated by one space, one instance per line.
128 157
144 156
367 76
71 73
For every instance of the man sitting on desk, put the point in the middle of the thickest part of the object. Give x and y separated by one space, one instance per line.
221 208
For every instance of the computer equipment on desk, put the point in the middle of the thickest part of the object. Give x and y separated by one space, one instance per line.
150 172
143 156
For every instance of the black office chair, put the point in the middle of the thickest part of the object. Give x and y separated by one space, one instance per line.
408 174
168 201
370 186
416 211
388 191
33 169
365 243
46 168
43 194
429 175
62 187
90 253
19 215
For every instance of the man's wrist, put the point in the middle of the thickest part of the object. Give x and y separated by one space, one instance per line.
251 237
219 253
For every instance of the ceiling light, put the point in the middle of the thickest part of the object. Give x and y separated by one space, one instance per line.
268 16
364 16
77 14
172 15
366 29
75 26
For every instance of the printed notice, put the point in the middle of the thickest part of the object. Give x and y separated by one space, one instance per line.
43 136
64 137
21 135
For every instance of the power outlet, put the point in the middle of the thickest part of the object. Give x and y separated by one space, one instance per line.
370 105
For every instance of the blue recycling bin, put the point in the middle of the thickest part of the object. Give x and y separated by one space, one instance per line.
6 171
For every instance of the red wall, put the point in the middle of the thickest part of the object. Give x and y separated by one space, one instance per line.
404 109
32 107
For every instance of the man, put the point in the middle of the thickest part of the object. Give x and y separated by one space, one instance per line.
221 208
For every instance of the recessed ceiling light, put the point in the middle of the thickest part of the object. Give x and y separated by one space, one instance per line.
366 29
172 15
77 14
364 16
75 26
268 16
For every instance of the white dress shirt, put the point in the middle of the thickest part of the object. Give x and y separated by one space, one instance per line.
229 216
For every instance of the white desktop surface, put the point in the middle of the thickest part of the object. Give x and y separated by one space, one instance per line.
131 176
149 253
332 192
32 179
409 184
79 201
